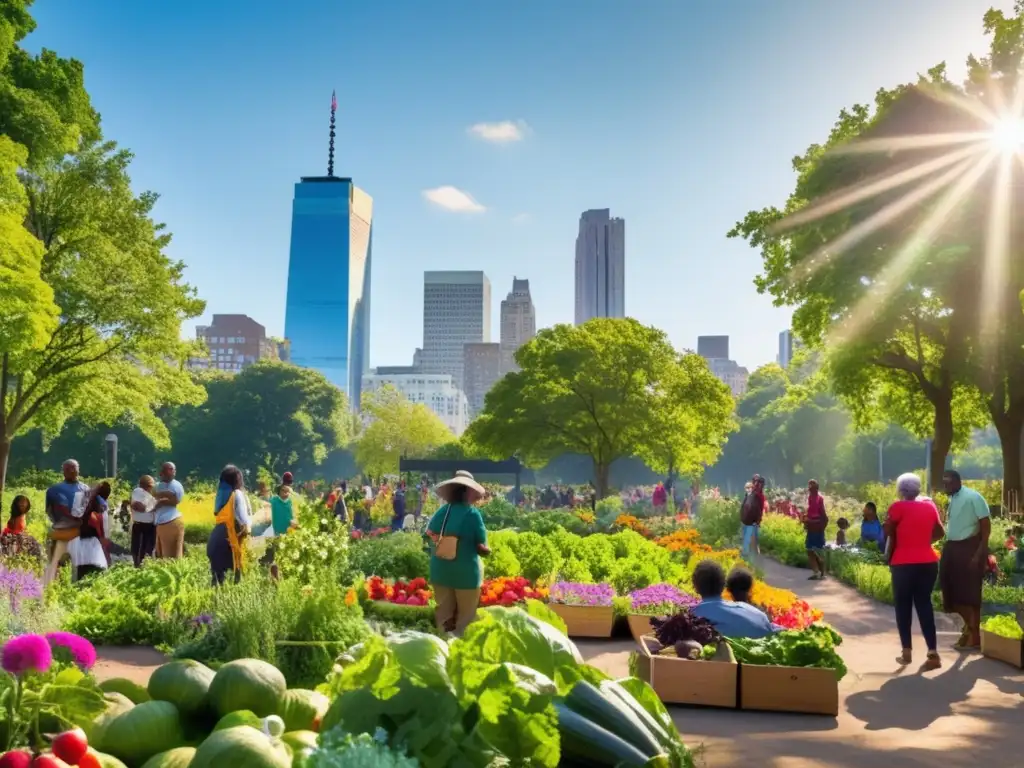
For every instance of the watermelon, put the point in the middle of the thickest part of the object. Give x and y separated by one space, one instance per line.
247 684
241 717
184 683
128 688
179 757
143 731
105 760
241 746
302 709
117 704
299 740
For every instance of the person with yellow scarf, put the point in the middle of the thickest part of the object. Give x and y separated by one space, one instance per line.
232 522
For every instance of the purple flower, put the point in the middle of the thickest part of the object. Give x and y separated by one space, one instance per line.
570 593
26 653
18 585
202 620
661 599
78 648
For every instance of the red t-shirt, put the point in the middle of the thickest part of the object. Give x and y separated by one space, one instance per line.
913 522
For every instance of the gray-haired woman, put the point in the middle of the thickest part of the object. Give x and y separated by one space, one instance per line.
912 526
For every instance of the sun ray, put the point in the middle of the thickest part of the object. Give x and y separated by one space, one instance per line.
995 269
871 187
879 219
893 276
904 143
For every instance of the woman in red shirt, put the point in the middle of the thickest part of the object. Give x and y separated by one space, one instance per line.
911 526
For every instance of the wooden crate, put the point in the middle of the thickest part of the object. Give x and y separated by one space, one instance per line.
586 620
810 690
1003 649
682 681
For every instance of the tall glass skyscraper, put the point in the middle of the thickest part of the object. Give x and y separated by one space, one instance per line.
327 314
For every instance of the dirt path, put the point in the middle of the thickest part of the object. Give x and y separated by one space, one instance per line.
969 713
136 663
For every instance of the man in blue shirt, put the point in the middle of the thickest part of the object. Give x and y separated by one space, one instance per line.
65 506
170 528
731 619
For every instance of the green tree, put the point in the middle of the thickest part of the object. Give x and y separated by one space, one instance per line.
396 427
116 351
271 416
606 389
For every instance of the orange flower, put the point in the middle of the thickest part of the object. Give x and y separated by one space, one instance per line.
350 598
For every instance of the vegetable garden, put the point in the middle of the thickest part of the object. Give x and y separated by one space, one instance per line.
338 661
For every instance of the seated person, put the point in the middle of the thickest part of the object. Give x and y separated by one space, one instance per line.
730 618
871 528
740 584
842 524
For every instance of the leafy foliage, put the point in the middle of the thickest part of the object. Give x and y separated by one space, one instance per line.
396 428
606 389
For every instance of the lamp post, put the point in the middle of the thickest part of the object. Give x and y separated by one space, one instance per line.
928 464
881 460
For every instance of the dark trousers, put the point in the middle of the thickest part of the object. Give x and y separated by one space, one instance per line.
218 549
912 587
143 541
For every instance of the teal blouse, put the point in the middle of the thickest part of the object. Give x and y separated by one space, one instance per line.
465 571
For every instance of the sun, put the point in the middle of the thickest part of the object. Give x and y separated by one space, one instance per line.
1007 135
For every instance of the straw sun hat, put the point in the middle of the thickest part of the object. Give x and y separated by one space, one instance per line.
462 478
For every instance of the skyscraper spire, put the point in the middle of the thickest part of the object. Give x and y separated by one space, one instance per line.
330 149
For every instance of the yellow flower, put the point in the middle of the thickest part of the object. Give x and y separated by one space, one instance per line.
350 598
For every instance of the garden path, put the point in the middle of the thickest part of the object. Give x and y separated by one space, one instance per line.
969 713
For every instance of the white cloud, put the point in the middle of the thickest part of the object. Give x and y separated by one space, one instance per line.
453 199
500 133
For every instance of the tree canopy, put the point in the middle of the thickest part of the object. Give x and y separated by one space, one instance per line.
606 389
879 246
92 307
396 427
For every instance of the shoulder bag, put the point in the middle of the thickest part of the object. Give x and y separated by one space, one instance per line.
447 545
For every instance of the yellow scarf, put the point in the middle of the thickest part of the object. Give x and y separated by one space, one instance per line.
227 517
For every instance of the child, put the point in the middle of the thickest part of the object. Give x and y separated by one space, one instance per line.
282 516
842 523
740 584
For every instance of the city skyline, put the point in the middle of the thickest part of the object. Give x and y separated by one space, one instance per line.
493 175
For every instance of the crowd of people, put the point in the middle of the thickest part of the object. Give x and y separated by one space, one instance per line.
913 525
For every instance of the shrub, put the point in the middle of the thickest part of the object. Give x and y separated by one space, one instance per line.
394 556
719 523
630 574
502 562
574 570
538 557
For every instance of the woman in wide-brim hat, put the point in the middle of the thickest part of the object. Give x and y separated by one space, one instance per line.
456 572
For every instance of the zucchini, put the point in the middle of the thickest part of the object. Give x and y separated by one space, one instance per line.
663 735
612 715
584 741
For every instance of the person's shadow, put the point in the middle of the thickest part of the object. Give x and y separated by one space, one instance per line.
913 701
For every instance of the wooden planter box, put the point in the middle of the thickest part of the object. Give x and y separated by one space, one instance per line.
808 690
639 626
1003 649
586 620
681 681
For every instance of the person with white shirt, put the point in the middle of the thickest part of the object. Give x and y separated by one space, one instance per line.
170 528
89 552
143 520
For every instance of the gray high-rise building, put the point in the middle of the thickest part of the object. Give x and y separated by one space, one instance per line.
713 347
456 312
785 349
481 370
518 322
600 266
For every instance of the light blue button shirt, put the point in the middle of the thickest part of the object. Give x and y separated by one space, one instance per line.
167 514
734 619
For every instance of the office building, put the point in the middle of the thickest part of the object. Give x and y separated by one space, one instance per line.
234 342
713 347
481 370
518 323
456 312
436 391
327 311
730 373
600 266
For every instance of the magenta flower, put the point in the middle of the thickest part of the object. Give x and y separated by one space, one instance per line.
572 593
78 648
661 600
26 653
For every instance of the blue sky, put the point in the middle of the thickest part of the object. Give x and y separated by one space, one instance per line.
679 115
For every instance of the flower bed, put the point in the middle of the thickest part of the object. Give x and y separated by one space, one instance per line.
586 609
414 592
509 591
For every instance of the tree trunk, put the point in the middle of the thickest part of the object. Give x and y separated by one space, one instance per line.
941 442
1010 427
5 453
601 472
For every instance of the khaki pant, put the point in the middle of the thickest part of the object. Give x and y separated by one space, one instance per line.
456 608
170 539
58 549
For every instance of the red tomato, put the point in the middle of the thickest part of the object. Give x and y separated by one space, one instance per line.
316 724
70 746
90 761
15 759
48 761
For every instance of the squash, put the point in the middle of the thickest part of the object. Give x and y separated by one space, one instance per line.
247 684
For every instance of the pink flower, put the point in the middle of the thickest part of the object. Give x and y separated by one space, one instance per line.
26 653
80 649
